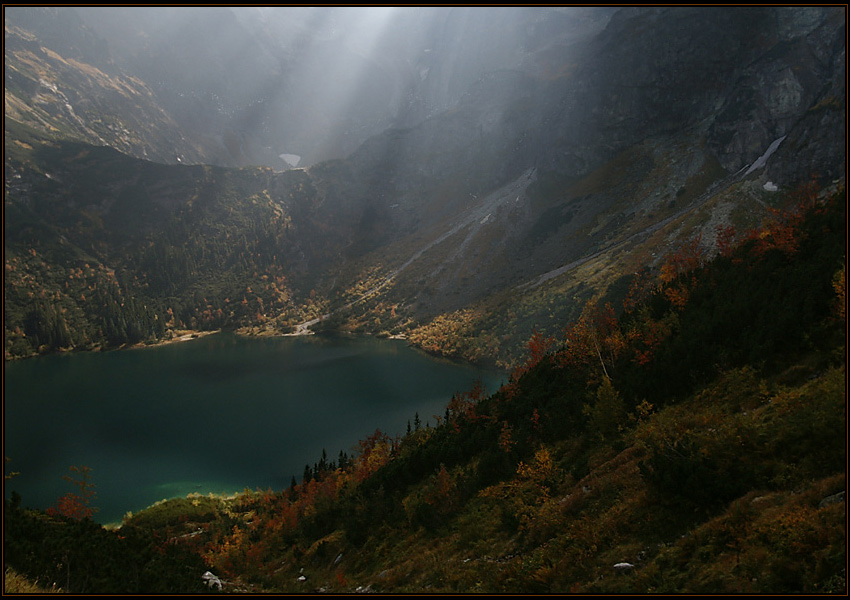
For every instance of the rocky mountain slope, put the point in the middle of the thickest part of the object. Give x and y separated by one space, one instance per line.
506 164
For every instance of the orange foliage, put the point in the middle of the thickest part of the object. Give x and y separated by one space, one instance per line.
538 473
535 420
783 228
839 284
685 258
725 239
639 290
374 453
678 295
440 494
72 506
649 336
462 406
76 505
505 439
539 346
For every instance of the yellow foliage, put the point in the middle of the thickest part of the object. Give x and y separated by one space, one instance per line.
539 471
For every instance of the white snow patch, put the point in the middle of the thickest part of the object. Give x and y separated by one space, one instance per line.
770 187
762 160
291 159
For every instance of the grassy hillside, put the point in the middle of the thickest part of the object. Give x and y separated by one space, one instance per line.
693 441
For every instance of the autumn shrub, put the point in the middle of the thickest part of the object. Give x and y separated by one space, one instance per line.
431 504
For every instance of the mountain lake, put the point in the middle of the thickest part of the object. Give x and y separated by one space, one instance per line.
218 414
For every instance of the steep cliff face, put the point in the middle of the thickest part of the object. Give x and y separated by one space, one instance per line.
644 119
793 88
744 77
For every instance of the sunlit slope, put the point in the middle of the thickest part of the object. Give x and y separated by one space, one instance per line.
75 92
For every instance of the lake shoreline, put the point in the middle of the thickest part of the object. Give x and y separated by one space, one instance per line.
302 330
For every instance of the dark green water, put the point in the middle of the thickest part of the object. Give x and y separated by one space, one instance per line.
217 414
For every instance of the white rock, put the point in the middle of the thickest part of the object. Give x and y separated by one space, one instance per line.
623 567
211 580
